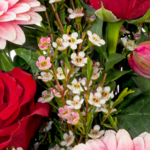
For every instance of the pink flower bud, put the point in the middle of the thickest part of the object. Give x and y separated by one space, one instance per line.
139 59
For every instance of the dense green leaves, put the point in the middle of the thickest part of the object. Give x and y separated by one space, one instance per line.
113 74
5 62
113 59
29 56
135 115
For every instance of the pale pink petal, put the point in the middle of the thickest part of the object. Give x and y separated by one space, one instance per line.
72 16
38 64
147 148
7 31
11 2
125 143
38 9
41 58
31 3
8 16
2 43
110 141
96 145
20 8
147 140
23 17
20 38
70 10
3 7
121 132
138 143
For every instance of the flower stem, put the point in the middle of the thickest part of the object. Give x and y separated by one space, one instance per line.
140 27
104 78
113 34
57 17
48 21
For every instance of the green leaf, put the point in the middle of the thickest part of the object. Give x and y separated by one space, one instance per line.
112 75
142 19
18 61
113 59
142 83
136 116
29 56
5 62
106 15
97 27
88 11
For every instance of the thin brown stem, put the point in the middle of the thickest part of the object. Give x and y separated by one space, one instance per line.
48 21
104 78
72 4
80 138
57 17
140 27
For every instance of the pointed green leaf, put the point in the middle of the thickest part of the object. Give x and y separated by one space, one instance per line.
106 15
113 59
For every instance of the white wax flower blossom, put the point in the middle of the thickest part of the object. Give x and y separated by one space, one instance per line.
76 103
18 148
95 99
104 108
54 1
128 44
96 74
60 74
47 126
71 40
79 60
56 148
68 139
47 96
59 42
90 18
105 92
36 145
76 86
95 39
76 13
95 133
45 76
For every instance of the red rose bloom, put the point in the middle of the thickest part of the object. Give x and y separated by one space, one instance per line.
19 116
124 9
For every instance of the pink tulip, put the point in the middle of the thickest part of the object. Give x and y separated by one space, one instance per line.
14 13
43 63
44 43
117 141
139 60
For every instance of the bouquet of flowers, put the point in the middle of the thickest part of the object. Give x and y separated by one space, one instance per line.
79 77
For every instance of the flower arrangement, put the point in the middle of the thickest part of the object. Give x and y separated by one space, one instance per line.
80 75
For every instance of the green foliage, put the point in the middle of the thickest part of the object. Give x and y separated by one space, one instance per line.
5 62
29 56
135 114
106 15
113 59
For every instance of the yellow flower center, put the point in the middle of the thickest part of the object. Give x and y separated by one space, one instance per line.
43 63
78 59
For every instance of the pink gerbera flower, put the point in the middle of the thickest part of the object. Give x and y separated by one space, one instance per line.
44 43
43 63
14 13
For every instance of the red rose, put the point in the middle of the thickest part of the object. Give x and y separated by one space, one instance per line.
124 9
20 118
